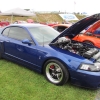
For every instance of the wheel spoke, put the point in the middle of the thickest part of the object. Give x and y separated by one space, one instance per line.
58 70
58 76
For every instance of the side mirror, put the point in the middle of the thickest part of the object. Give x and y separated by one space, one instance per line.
26 41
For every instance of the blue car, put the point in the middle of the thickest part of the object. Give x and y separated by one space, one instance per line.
55 55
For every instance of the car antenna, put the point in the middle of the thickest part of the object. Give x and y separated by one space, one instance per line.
43 40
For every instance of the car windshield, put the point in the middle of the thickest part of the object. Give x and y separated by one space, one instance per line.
43 34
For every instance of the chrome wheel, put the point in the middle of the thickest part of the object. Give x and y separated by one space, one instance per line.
54 72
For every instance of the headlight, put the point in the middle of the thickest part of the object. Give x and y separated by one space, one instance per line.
90 67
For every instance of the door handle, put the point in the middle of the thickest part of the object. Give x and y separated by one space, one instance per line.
19 49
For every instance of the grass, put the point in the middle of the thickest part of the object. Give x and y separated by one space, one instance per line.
20 83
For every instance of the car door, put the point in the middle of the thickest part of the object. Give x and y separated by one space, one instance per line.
15 49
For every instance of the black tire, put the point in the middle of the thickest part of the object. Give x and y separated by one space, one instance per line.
88 42
55 72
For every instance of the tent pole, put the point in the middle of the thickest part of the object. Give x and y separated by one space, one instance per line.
12 18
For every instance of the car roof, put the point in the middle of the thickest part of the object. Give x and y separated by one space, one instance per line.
28 25
66 25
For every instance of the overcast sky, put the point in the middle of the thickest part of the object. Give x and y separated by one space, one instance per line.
89 6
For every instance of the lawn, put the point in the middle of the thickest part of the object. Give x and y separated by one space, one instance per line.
20 83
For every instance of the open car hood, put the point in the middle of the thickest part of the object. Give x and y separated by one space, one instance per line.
93 27
76 28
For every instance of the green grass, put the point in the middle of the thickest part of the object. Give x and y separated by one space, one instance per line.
20 83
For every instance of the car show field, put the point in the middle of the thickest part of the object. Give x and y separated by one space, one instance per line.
38 47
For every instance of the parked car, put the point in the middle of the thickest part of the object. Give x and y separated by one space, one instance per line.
45 50
61 27
52 24
91 35
4 23
30 21
20 22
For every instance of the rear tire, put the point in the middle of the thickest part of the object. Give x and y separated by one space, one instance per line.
55 72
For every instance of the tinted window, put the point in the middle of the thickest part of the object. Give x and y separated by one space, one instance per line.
19 33
55 27
61 28
5 32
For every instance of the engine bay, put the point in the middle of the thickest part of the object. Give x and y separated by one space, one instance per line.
85 50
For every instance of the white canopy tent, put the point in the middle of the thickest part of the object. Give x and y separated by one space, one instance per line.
17 12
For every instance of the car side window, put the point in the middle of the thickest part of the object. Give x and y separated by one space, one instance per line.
5 32
19 33
61 28
55 27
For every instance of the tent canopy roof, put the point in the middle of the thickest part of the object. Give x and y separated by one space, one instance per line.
18 12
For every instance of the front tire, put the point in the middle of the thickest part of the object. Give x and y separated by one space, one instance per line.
55 72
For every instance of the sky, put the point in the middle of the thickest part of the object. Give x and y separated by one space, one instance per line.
88 6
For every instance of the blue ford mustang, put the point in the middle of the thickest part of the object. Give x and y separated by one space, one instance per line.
59 58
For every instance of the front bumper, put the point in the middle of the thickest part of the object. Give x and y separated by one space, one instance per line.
85 78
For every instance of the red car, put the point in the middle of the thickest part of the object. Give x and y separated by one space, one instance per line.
61 27
4 23
91 35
